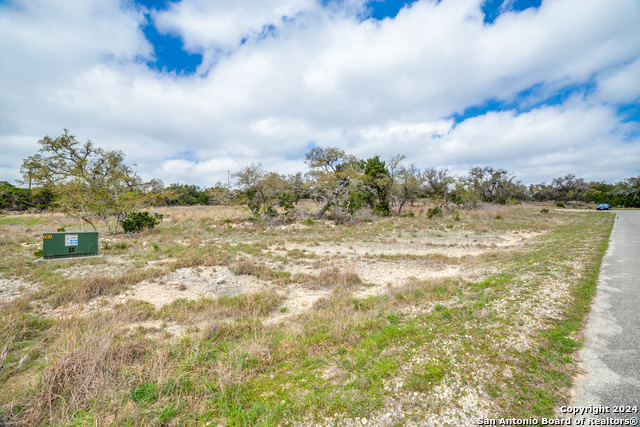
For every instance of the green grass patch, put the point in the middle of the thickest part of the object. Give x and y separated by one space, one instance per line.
425 376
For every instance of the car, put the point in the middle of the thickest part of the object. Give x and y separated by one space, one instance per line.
604 207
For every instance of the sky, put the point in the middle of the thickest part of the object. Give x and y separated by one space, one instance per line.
192 89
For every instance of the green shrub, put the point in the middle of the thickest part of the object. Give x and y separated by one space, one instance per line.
286 203
544 211
308 221
135 222
560 205
436 211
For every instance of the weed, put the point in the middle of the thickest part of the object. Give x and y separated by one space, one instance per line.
435 211
424 377
242 305
334 276
135 310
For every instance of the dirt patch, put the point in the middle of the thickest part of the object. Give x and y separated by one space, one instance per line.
14 288
192 284
298 300
450 244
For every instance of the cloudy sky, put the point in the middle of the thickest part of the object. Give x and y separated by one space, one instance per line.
190 89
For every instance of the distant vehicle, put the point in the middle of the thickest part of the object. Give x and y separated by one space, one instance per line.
604 207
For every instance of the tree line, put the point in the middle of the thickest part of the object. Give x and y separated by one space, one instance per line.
345 183
94 184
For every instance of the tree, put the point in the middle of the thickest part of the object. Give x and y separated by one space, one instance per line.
495 185
377 182
298 186
219 194
465 194
187 194
336 180
407 184
568 187
540 192
630 187
437 185
261 188
89 181
21 199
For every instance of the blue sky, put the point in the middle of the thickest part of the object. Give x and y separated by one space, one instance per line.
190 89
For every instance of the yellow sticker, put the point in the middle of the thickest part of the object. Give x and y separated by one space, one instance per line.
47 236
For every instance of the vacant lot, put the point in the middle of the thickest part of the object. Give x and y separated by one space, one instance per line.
210 319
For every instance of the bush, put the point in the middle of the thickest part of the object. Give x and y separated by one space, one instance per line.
560 205
436 211
544 211
135 222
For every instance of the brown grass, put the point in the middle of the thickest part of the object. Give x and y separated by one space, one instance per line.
86 366
334 276
251 305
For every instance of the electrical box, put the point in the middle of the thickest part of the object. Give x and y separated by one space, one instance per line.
72 244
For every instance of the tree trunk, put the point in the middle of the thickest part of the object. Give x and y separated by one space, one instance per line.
107 223
90 223
320 214
400 208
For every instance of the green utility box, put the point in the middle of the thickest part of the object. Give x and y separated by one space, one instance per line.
72 244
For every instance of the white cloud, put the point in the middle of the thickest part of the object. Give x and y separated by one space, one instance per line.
538 145
544 143
218 170
214 24
620 85
323 77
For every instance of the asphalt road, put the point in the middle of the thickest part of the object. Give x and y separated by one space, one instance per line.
610 358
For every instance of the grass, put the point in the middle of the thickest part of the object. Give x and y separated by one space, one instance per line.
431 349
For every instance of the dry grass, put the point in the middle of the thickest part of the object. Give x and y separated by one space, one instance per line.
194 213
223 366
432 289
85 367
250 305
334 276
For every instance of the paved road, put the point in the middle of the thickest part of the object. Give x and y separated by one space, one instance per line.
611 355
